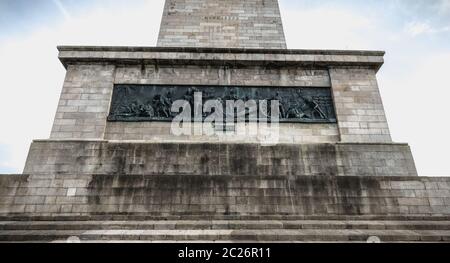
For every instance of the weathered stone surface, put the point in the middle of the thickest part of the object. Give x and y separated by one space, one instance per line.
231 23
235 231
84 103
94 169
225 159
212 195
219 56
358 105
160 132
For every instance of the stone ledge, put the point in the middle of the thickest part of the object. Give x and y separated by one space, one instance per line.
105 157
424 179
208 143
20 217
219 56
68 140
221 50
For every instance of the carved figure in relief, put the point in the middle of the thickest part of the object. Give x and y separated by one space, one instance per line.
189 96
160 108
297 107
125 110
147 110
296 113
132 103
168 101
316 108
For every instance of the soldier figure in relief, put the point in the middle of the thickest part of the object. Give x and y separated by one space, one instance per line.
316 109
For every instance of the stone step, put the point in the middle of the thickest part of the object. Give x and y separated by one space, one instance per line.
224 225
226 231
206 217
305 235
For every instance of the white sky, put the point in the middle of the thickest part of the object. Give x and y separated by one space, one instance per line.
413 83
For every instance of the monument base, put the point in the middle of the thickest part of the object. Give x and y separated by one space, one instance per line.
162 179
210 196
100 190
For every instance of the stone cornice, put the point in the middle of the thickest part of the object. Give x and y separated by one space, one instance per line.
220 56
208 143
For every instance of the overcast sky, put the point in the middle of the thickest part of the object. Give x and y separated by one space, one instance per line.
414 81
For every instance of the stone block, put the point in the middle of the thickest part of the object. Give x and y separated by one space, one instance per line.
416 185
414 201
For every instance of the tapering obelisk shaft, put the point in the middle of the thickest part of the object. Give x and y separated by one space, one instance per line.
222 24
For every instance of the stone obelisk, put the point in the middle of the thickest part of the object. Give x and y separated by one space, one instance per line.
334 175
